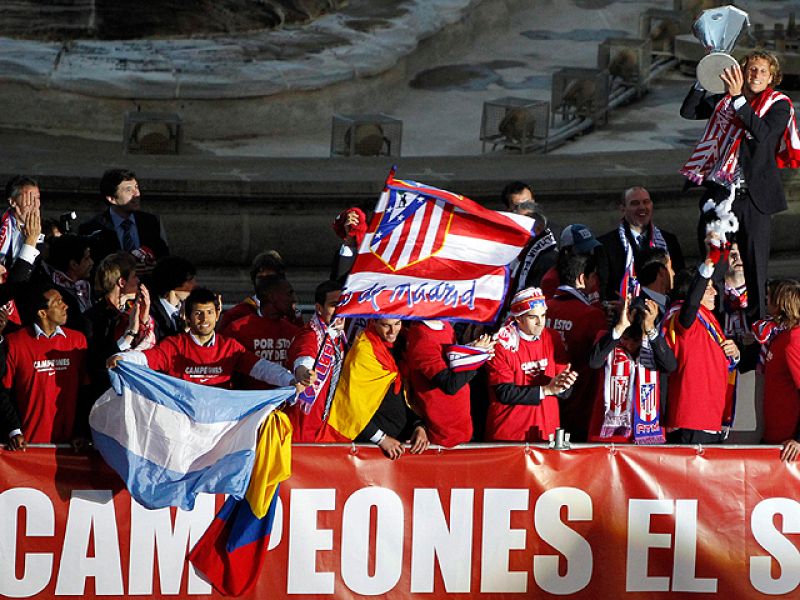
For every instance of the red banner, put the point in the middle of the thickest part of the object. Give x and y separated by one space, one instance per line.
475 522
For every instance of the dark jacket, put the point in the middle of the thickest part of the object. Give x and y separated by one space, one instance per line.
757 150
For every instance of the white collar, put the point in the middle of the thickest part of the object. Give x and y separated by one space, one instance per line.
171 310
39 332
211 342
528 337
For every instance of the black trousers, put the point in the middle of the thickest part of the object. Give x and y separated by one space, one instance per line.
753 239
693 436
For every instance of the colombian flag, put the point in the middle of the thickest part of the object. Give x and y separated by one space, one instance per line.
232 550
368 371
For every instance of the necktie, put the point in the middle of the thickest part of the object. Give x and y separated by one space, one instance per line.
127 236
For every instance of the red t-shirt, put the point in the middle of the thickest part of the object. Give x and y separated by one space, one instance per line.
549 283
182 357
696 392
307 426
447 418
44 375
245 308
267 338
579 324
781 385
534 363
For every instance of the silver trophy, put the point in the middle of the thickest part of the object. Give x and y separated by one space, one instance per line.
718 29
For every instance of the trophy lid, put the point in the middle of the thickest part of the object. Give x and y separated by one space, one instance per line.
719 28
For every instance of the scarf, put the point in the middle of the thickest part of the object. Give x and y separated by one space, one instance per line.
629 284
546 241
716 156
508 335
327 367
765 331
631 394
10 237
465 358
80 289
734 302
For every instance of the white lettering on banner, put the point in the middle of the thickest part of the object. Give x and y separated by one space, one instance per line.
305 540
684 566
641 539
151 529
762 522
39 522
277 526
576 550
388 550
499 539
90 516
432 540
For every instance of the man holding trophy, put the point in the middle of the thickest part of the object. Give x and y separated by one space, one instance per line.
751 132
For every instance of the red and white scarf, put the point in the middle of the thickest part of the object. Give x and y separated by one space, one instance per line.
327 366
631 396
716 155
629 284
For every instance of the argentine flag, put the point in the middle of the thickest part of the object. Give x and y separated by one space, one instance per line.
170 440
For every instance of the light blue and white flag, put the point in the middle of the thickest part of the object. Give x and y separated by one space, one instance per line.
170 440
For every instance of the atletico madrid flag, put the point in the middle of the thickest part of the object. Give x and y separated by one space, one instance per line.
432 254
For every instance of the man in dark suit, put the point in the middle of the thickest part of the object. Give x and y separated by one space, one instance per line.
748 123
173 281
635 233
123 226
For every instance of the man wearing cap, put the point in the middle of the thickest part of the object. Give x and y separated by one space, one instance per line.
580 324
575 238
636 231
528 369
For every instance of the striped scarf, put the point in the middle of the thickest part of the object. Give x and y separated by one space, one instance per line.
629 284
327 366
765 331
734 302
631 395
716 156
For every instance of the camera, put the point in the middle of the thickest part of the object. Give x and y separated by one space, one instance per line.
65 221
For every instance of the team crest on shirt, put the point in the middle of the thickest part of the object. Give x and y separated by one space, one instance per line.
413 228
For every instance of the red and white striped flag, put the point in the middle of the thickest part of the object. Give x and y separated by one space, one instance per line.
432 254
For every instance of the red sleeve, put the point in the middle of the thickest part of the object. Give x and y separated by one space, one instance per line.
793 356
500 369
243 359
159 357
560 355
303 344
424 353
11 362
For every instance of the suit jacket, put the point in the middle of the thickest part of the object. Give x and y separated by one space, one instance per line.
104 237
613 259
757 150
164 324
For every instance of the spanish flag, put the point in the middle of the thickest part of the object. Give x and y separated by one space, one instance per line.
368 371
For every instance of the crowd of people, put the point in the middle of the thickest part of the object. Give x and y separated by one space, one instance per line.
608 337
